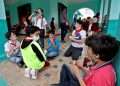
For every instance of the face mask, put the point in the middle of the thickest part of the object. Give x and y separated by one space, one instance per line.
35 38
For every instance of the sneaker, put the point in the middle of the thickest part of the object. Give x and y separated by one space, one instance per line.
33 74
27 72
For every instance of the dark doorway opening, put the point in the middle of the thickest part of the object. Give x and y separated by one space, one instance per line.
62 12
24 11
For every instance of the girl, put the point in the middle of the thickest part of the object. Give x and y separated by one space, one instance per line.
78 37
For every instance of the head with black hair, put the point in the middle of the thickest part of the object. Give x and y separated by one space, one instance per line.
51 35
101 47
53 18
78 24
11 35
34 32
40 12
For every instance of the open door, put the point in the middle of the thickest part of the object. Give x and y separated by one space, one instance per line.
24 11
62 13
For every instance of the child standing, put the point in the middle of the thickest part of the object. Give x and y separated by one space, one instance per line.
77 39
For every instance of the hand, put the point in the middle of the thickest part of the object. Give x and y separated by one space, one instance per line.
54 45
79 64
70 37
75 70
32 14
17 47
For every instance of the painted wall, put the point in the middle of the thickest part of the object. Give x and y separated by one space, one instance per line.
2 13
104 10
117 67
54 8
34 5
114 19
114 30
3 29
92 4
49 6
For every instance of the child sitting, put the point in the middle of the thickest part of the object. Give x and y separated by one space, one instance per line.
32 53
101 51
12 48
53 46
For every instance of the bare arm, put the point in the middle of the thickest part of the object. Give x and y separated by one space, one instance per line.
30 17
79 64
76 71
77 41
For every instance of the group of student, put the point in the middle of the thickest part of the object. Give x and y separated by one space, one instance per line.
29 51
100 49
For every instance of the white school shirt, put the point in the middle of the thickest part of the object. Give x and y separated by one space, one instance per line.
83 36
41 22
7 47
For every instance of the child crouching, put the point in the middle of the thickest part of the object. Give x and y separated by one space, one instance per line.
32 53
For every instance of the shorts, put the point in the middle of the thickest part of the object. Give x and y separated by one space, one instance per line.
73 52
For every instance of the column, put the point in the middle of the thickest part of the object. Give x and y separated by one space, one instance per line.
3 29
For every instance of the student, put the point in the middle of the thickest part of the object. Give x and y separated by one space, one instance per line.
12 48
32 53
53 46
101 51
93 27
37 18
52 25
63 25
77 39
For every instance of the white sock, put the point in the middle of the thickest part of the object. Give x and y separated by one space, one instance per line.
33 73
27 72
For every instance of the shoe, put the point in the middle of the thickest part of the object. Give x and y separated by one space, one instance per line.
27 73
33 74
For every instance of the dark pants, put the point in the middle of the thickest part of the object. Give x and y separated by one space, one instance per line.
42 37
67 78
73 52
63 31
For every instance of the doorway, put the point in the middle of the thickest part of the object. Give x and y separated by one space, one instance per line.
62 13
24 11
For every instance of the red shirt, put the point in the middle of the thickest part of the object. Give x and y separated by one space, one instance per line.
101 76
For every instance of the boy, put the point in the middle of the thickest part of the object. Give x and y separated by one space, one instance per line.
101 51
32 53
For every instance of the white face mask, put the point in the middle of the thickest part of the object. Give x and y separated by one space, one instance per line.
36 38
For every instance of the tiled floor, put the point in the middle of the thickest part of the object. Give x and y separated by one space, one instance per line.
15 75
